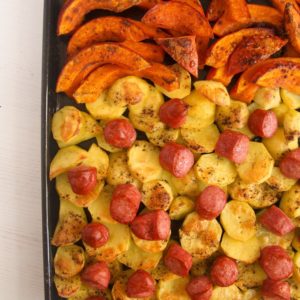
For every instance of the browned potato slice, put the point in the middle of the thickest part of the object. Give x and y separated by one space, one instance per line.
181 207
279 182
229 292
173 289
161 272
67 287
150 246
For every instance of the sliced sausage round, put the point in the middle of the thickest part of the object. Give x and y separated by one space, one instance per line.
290 164
276 262
200 288
176 159
173 113
178 261
95 235
152 226
119 133
233 145
125 203
277 290
263 123
224 271
210 202
140 285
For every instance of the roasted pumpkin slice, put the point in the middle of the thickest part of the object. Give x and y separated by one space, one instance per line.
292 21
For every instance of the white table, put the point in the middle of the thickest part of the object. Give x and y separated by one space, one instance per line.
21 266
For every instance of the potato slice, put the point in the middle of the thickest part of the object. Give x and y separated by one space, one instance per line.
229 292
279 182
201 111
257 195
70 223
173 289
67 287
135 258
161 272
69 261
157 194
181 207
143 161
201 238
84 292
291 125
252 294
163 135
103 144
280 112
215 170
185 83
296 240
295 288
116 269
150 246
115 245
291 100
238 220
246 251
201 140
267 98
258 166
118 171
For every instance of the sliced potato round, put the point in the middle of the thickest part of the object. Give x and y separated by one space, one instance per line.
199 237
267 98
173 289
238 220
84 292
252 294
246 131
215 170
163 135
201 140
67 287
69 261
279 182
161 272
291 100
157 194
246 251
150 246
258 166
229 292
280 112
291 125
143 161
295 288
181 207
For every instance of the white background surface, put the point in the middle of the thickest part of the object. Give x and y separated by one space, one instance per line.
21 269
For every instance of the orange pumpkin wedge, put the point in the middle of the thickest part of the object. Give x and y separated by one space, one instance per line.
292 25
219 75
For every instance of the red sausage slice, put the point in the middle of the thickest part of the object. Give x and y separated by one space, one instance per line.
178 261
224 271
82 179
276 290
125 203
276 262
96 276
275 220
176 159
173 113
95 235
211 202
152 226
120 133
290 164
233 145
200 288
140 285
263 123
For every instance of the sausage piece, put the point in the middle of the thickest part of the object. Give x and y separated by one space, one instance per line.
95 235
125 203
178 261
210 202
277 290
263 123
173 113
224 271
152 226
96 275
276 262
140 285
200 288
290 164
275 220
119 133
176 159
233 145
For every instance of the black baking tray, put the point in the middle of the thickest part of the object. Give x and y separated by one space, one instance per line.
54 56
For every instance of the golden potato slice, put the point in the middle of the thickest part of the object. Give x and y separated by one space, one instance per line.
118 243
295 288
84 292
229 292
201 238
246 251
280 112
215 170
201 267
161 272
257 195
143 161
118 171
296 240
215 91
291 125
70 223
173 289
291 100
201 140
246 131
279 182
181 207
150 246
135 258
296 261
67 287
258 165
104 145
157 194
163 135
267 98
115 268
238 220
252 294
185 84
69 261
201 111
103 109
